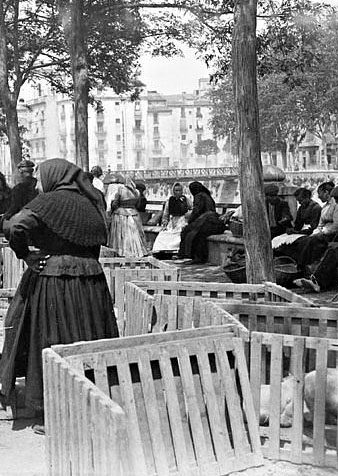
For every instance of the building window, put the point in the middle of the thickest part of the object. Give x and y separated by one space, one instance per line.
198 112
183 137
156 131
117 103
137 105
118 138
119 155
117 120
99 126
100 144
101 155
199 137
138 124
190 127
155 117
156 144
182 112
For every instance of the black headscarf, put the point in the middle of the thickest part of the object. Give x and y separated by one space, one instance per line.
70 215
198 187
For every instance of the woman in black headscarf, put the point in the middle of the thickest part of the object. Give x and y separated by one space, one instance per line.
63 295
203 222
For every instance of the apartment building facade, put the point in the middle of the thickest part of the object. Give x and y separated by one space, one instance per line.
156 131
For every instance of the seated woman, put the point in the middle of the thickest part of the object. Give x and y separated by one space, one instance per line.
307 219
203 222
126 236
323 246
279 215
173 221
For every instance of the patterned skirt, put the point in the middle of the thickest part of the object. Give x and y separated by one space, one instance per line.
127 237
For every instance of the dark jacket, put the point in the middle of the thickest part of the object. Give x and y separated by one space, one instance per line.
283 217
202 203
22 194
308 215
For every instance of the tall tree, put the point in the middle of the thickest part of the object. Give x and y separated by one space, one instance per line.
256 228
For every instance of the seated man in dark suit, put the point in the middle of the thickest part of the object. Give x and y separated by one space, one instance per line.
279 215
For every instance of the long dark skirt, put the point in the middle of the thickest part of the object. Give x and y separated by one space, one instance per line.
49 310
194 236
307 249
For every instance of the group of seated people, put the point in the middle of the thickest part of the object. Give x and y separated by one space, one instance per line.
311 242
186 225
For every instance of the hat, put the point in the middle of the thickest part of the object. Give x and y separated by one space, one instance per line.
26 163
271 189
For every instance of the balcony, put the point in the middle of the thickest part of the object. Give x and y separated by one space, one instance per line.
138 129
183 125
101 132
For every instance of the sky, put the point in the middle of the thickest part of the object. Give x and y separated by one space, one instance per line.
175 75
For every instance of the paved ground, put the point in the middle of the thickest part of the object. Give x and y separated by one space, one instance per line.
22 453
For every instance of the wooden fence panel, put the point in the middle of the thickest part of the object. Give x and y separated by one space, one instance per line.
290 443
119 271
182 419
85 430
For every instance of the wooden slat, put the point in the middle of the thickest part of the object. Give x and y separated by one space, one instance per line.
247 398
220 437
130 409
240 441
298 404
193 409
179 441
152 410
319 404
275 395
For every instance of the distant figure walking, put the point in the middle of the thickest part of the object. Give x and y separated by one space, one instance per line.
126 237
97 181
24 191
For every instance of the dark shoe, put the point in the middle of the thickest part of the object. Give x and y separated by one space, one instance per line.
175 257
39 429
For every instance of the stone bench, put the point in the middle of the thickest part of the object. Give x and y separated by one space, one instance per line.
220 246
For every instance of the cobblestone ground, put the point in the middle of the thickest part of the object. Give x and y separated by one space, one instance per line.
22 452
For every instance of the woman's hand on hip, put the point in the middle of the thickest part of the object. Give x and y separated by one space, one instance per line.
36 260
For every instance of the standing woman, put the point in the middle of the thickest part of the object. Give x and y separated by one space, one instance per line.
126 233
203 222
63 296
173 221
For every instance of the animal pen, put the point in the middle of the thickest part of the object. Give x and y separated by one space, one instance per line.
183 395
118 271
283 337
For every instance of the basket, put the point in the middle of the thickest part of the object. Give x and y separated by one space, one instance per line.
285 271
236 228
236 272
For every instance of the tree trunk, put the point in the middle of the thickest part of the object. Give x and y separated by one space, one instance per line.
13 134
256 227
8 99
71 14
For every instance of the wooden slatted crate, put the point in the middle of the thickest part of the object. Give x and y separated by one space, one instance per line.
118 271
301 443
6 296
143 303
183 394
179 312
86 430
12 268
